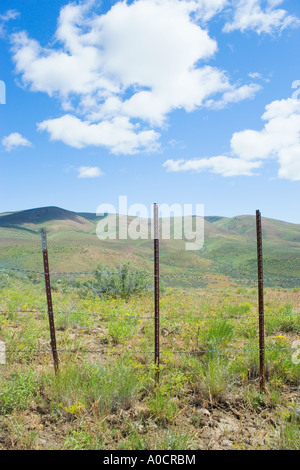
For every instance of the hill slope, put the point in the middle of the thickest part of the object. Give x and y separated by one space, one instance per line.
229 247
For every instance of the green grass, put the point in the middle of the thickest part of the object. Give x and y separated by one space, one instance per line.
18 390
105 395
288 435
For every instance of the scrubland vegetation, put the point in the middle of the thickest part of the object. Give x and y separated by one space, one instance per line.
105 395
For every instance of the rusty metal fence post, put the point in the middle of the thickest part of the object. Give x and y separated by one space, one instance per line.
156 291
261 320
49 301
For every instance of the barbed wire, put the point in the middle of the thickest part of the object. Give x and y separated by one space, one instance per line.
31 271
161 275
198 348
141 317
192 352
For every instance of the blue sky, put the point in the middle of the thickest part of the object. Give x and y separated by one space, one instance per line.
170 101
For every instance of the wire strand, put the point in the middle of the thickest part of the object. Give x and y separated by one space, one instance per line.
140 317
161 275
111 353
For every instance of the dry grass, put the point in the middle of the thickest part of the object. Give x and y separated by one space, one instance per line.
105 396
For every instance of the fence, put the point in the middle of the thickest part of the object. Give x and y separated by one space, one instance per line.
261 349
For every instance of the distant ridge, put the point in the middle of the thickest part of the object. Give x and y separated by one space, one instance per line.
213 218
38 215
241 224
229 245
54 218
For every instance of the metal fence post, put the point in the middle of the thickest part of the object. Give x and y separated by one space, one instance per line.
261 321
156 290
49 300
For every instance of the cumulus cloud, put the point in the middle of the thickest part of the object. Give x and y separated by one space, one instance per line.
137 62
15 140
119 134
259 16
89 172
281 131
279 140
250 15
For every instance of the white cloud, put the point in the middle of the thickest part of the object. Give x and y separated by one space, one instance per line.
9 15
209 8
135 46
14 140
280 132
258 76
279 140
234 95
5 17
221 165
119 134
250 15
139 61
289 161
255 75
89 172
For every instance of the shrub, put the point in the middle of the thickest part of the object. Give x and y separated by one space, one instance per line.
4 279
122 281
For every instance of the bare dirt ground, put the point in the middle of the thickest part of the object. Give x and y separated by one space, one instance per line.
229 424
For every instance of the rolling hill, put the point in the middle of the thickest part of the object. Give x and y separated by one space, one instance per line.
229 248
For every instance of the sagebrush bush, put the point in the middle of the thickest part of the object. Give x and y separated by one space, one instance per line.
4 279
122 281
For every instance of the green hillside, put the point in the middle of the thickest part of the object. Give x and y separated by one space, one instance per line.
229 249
